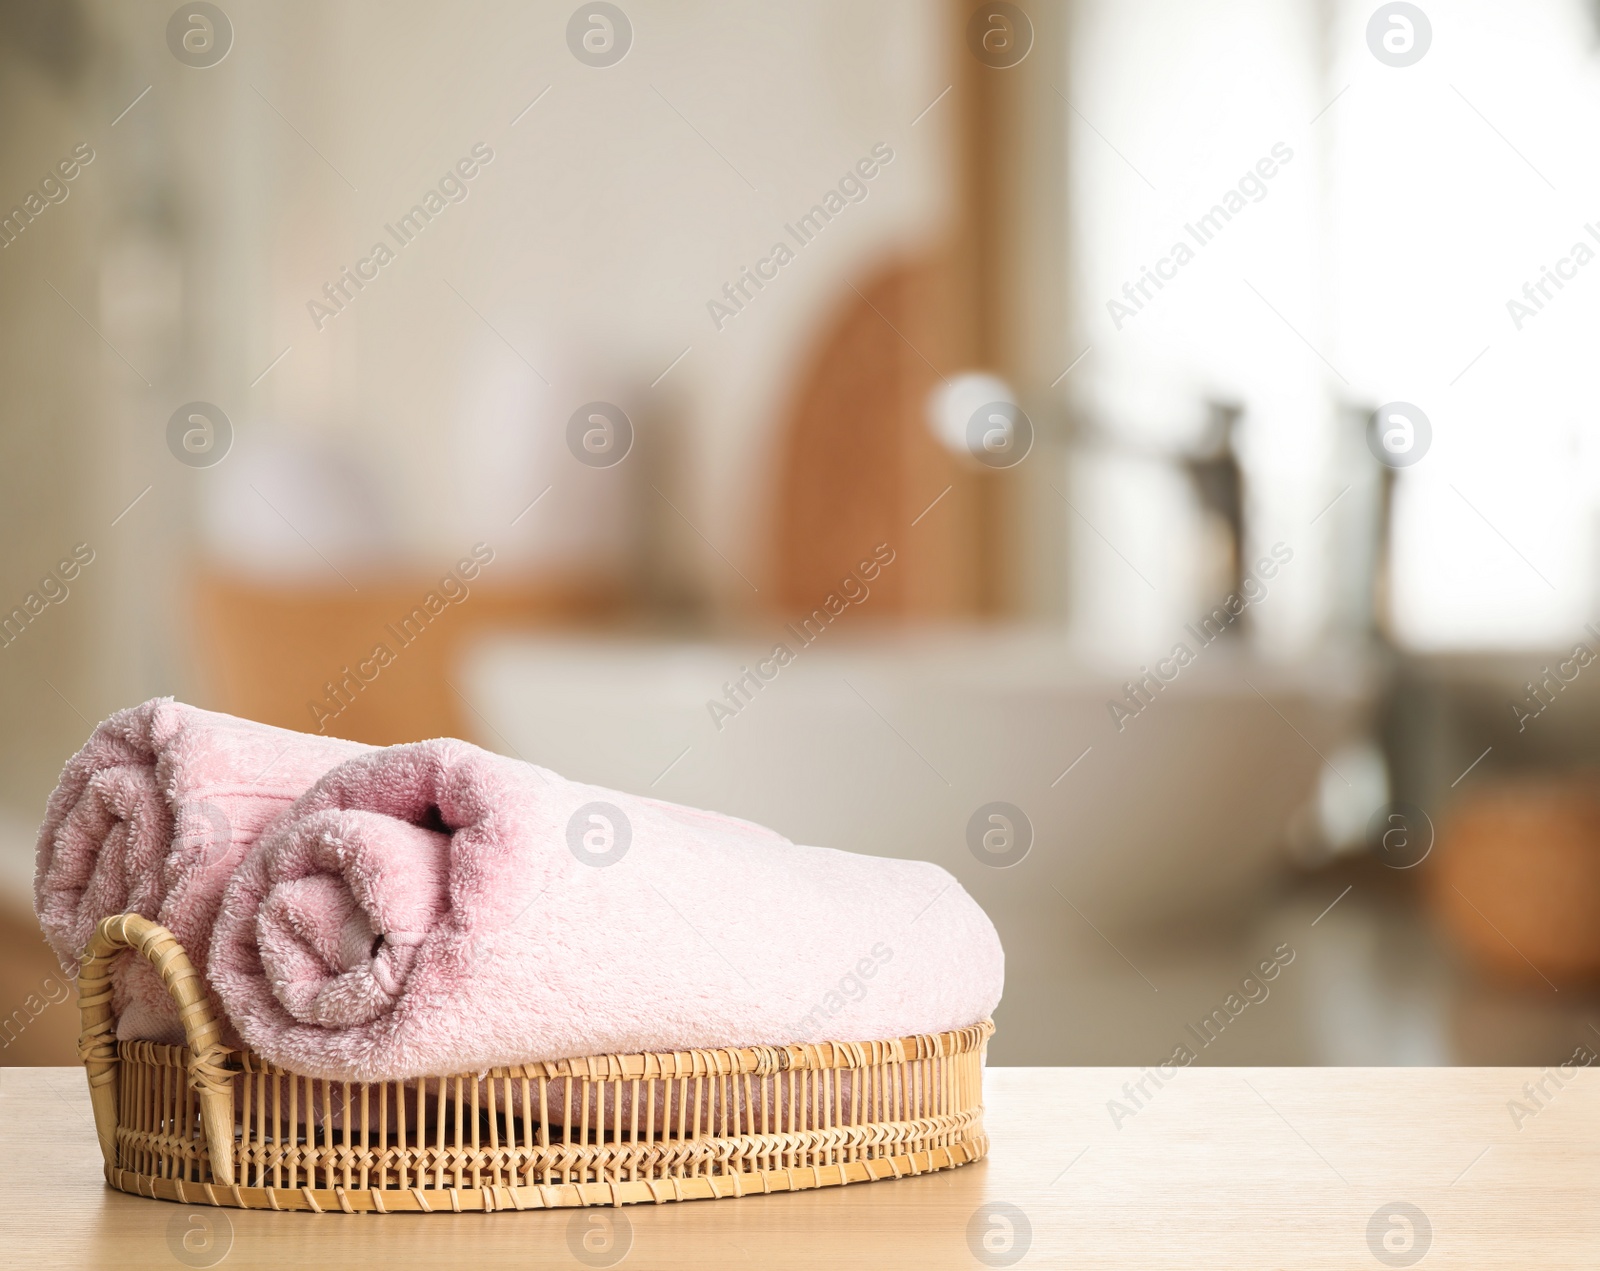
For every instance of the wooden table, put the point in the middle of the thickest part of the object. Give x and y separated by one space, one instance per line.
1220 1167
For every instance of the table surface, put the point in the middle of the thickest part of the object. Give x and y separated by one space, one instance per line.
1268 1167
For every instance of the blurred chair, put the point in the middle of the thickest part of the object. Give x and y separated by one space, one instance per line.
857 463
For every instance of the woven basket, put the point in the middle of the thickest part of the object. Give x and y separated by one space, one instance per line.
1517 883
203 1124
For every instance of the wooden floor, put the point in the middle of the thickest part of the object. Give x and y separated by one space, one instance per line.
1219 1167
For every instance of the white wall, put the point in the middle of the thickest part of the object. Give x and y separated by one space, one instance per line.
591 243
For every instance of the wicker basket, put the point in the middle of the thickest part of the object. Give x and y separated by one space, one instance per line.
1517 884
203 1124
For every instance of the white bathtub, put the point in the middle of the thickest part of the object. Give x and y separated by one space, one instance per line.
889 744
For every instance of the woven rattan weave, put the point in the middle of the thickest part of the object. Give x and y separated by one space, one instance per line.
204 1124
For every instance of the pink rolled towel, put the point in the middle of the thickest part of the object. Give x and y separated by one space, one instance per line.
151 817
434 908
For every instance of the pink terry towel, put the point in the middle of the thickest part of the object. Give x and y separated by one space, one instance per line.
434 908
151 817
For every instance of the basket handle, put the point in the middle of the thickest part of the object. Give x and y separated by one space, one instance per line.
97 1045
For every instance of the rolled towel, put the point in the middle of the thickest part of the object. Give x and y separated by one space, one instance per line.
151 817
434 908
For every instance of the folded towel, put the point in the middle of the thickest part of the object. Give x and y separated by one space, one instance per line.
151 817
435 908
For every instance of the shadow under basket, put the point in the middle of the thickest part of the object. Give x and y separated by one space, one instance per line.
204 1124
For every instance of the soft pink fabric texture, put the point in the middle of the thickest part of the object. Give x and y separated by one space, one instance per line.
151 817
434 908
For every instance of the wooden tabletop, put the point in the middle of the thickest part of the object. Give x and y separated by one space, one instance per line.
1242 1168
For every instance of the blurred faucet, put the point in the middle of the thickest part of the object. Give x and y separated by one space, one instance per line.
1218 481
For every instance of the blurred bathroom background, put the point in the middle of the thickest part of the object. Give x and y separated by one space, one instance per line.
861 330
